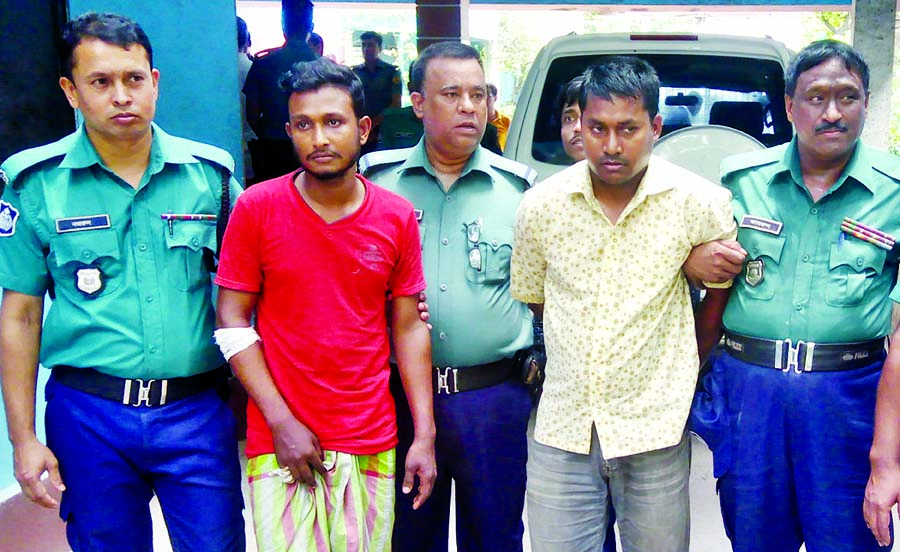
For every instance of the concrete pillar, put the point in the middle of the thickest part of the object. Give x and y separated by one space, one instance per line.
874 24
438 20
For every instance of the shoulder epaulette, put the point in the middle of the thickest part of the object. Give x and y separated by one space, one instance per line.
515 168
380 159
263 53
24 160
886 163
743 161
206 152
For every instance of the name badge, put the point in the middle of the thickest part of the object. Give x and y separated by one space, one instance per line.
762 224
419 213
79 224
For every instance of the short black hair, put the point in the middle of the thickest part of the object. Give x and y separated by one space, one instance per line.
492 89
306 76
569 94
372 35
296 18
110 28
315 39
819 52
623 76
455 50
243 34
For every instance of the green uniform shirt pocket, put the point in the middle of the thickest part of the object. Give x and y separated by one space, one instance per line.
852 267
191 244
87 249
765 248
495 252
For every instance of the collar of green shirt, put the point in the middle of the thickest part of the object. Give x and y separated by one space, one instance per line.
859 167
418 159
162 150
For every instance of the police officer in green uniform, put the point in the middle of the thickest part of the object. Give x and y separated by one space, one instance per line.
466 200
806 319
118 222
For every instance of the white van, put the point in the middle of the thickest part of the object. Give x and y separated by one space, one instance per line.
723 81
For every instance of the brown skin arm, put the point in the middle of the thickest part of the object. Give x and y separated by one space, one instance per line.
537 309
715 262
21 317
412 346
296 447
883 488
708 321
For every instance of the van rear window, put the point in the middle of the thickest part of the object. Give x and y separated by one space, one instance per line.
742 93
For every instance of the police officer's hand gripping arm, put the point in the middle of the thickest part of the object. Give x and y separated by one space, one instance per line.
883 489
412 347
20 341
296 447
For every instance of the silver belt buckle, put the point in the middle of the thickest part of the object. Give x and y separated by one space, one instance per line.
793 355
445 378
144 388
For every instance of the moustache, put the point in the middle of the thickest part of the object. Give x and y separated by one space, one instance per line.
837 125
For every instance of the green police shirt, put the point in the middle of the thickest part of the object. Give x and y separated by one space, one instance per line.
805 279
132 291
467 239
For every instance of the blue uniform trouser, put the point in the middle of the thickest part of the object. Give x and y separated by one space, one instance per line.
800 450
481 446
114 457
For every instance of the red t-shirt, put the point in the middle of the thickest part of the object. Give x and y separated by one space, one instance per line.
321 310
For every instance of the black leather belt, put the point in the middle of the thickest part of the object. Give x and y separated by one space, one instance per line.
449 380
804 356
137 392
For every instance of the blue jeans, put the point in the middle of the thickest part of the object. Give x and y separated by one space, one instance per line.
567 496
799 459
113 458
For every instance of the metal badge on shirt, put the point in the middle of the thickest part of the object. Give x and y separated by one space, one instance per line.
755 272
8 217
473 234
89 280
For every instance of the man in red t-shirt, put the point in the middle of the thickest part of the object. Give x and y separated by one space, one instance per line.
315 254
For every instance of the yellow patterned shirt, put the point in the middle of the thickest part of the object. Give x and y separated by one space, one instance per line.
619 330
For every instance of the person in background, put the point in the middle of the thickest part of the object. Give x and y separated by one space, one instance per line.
381 82
497 118
244 61
316 43
272 151
133 408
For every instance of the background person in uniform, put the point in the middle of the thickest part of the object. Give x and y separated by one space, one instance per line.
244 62
316 43
132 406
497 118
381 83
622 360
321 407
272 152
465 198
805 321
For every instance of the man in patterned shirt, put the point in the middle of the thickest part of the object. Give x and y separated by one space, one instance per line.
622 359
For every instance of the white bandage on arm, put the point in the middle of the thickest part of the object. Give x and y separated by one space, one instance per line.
232 341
